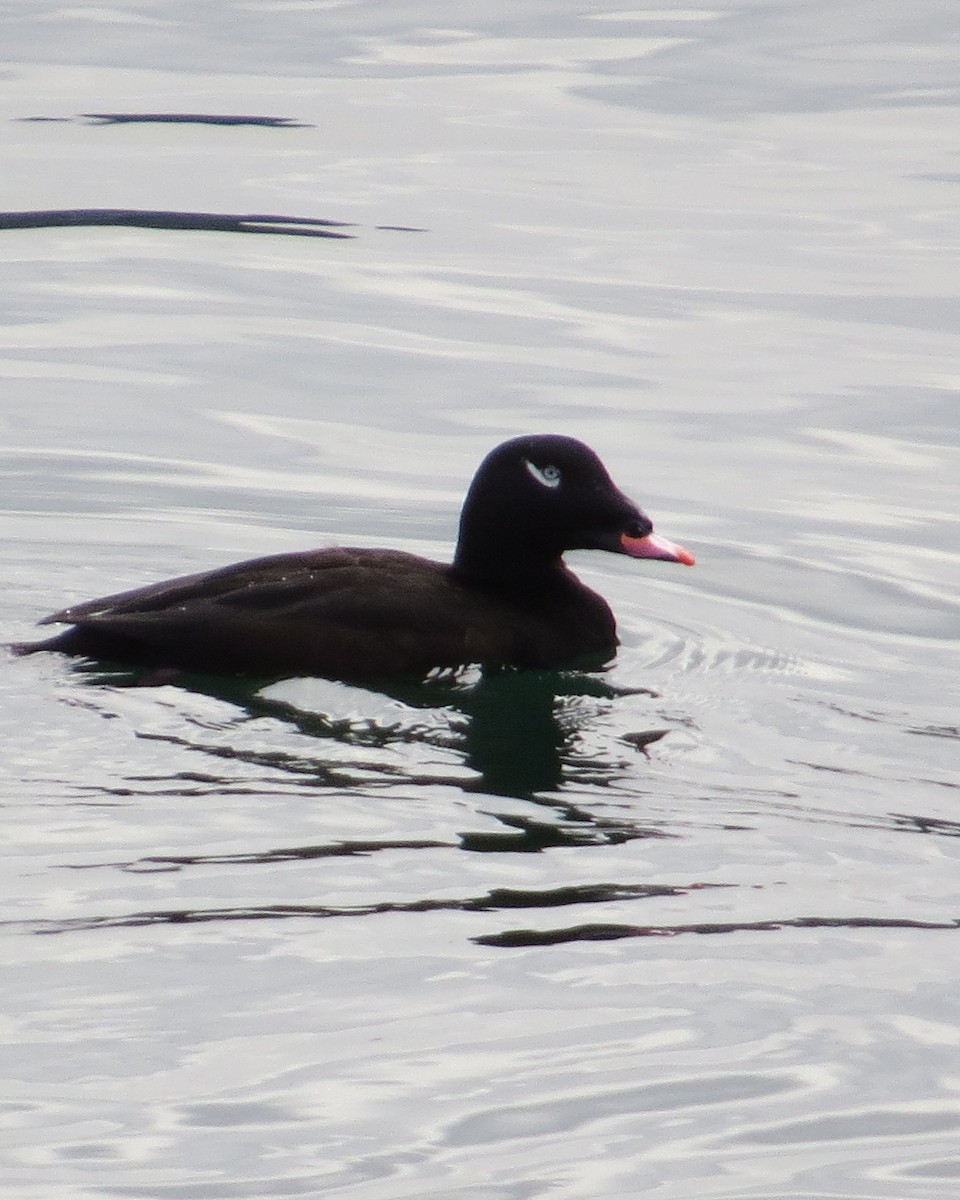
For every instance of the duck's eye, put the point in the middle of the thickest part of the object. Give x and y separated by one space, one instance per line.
549 475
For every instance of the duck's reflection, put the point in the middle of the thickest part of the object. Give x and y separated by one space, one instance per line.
513 739
517 730
513 735
518 733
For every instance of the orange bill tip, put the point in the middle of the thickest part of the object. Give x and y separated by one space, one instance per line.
653 546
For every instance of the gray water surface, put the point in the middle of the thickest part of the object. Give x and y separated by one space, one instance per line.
499 940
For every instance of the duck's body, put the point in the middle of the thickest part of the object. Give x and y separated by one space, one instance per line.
507 600
343 614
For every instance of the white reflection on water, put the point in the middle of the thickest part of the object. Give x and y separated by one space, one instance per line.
696 936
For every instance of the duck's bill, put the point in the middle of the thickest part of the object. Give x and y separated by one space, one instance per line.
653 546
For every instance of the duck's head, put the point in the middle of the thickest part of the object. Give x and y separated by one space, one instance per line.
534 497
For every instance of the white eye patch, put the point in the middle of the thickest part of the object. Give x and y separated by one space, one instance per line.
549 476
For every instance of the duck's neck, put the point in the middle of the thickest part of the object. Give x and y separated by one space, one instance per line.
506 561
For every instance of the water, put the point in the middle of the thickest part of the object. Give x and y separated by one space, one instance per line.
502 941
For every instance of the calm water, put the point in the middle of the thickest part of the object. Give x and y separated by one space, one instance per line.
502 941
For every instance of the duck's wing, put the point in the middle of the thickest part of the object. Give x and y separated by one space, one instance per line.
236 580
344 613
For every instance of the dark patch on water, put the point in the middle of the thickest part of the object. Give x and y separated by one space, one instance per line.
607 933
496 900
180 119
140 218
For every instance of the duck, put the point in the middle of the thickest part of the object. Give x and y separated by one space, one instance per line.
506 601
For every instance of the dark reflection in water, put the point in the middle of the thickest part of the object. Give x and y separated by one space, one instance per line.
194 119
144 218
151 863
517 730
915 823
513 738
496 900
939 731
608 933
141 218
179 119
520 733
